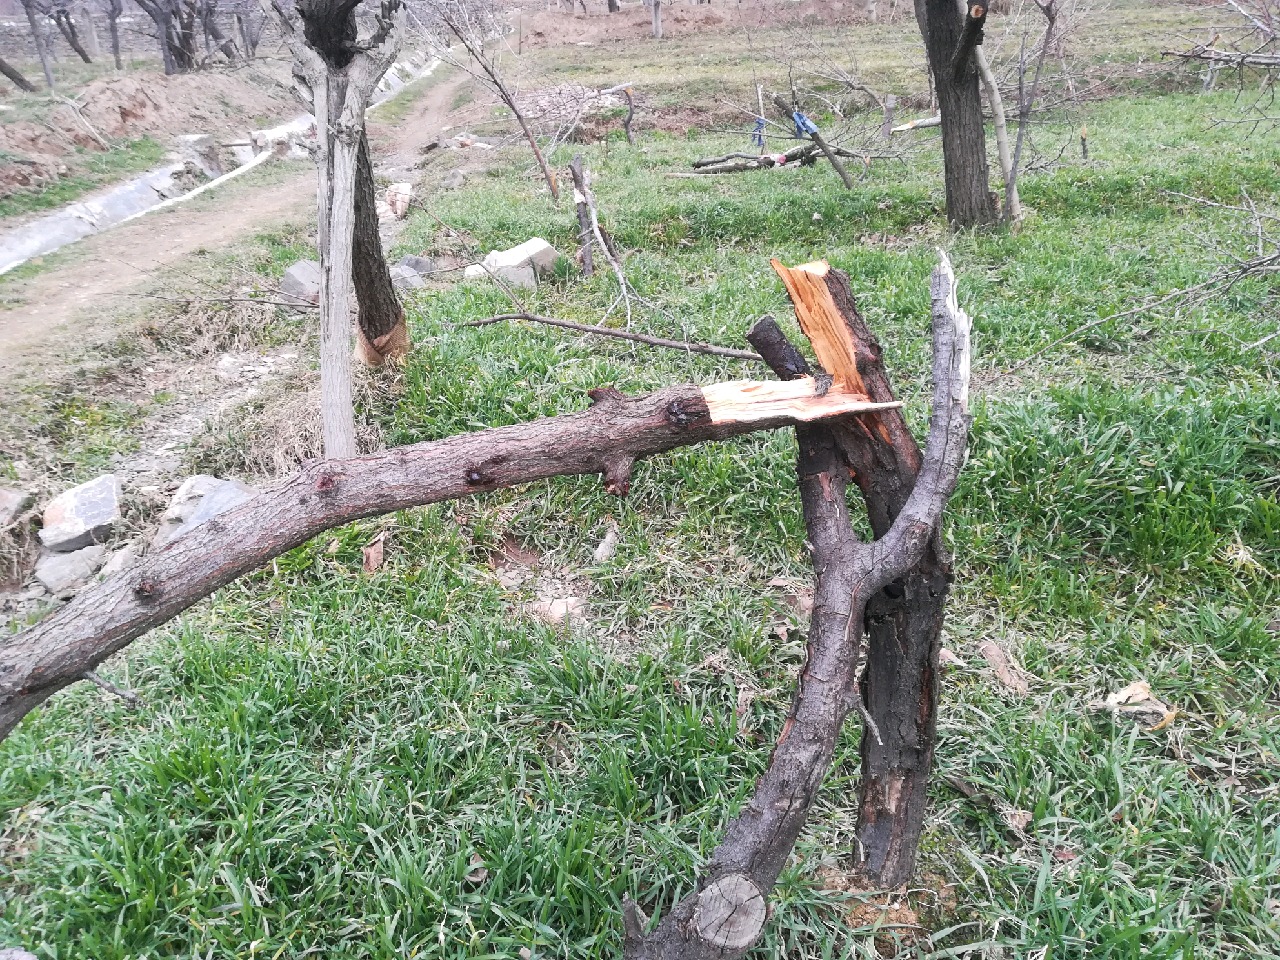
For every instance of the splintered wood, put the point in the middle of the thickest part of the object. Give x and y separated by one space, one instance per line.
751 401
822 322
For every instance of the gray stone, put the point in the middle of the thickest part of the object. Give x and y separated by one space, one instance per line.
536 253
122 559
12 503
406 278
82 515
201 150
61 573
419 265
453 180
522 277
14 953
197 500
301 282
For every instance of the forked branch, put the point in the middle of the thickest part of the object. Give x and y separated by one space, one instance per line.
727 913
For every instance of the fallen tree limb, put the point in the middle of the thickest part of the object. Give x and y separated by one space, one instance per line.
817 138
725 916
682 345
606 439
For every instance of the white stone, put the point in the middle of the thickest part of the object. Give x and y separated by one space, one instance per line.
197 500
12 503
60 573
474 272
82 515
301 282
406 278
535 252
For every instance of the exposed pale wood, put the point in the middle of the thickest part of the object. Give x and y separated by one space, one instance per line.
746 401
607 439
821 321
730 912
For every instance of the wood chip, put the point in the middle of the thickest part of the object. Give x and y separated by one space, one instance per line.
479 873
1136 702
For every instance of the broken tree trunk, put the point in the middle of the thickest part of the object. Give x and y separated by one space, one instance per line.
725 916
904 620
585 232
607 439
381 331
341 73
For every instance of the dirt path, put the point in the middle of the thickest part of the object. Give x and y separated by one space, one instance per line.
92 278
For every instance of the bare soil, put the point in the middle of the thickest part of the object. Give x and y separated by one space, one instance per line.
538 27
38 150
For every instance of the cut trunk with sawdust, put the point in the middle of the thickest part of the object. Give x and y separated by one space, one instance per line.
860 587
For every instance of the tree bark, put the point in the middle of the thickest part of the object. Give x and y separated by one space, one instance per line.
656 8
585 233
613 6
114 26
904 620
67 27
382 331
606 439
15 77
964 143
726 914
37 37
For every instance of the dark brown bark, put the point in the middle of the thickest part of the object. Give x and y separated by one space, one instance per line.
964 142
383 333
37 37
607 439
631 113
971 36
114 26
613 6
585 233
904 620
15 77
67 27
724 917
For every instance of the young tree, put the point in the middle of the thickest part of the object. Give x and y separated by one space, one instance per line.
113 10
950 37
15 77
339 70
474 24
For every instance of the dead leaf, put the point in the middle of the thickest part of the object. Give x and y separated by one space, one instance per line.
512 554
608 546
334 547
373 553
746 697
479 873
1018 820
948 659
559 610
1136 702
1064 854
1006 671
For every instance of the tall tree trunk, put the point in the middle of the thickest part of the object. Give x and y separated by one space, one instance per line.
382 333
113 23
995 103
15 77
613 6
336 212
964 142
37 37
657 19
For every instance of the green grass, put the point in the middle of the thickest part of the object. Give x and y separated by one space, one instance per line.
90 169
321 752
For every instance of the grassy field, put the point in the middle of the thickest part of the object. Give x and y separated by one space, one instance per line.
411 764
